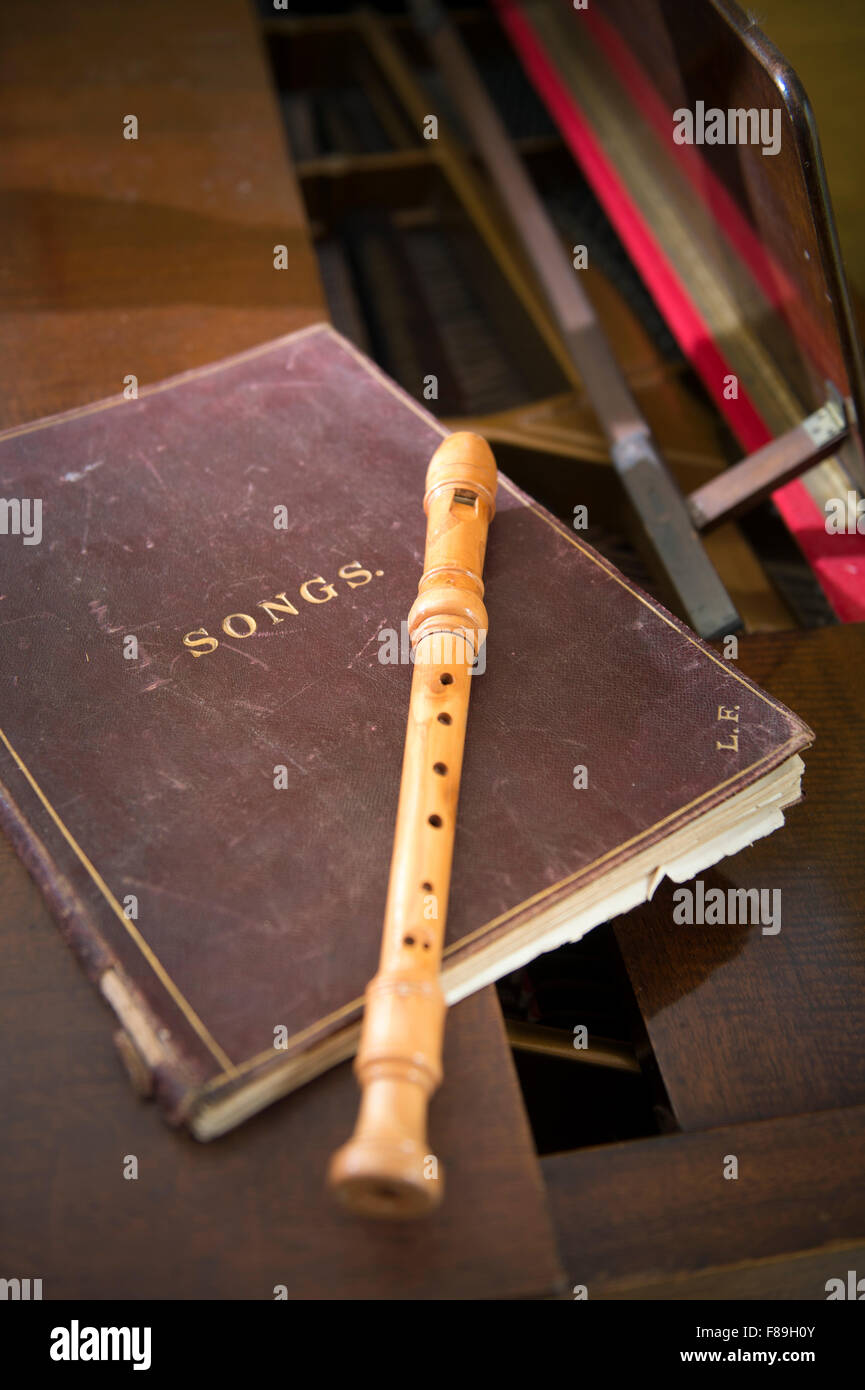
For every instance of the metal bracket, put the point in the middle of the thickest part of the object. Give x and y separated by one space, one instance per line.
741 487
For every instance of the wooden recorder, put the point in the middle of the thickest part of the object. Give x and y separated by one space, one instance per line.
386 1169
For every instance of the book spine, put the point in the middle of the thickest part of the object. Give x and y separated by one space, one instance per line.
153 1065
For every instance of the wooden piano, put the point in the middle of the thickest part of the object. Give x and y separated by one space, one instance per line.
594 1173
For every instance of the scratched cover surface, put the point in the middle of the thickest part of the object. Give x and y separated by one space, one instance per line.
211 819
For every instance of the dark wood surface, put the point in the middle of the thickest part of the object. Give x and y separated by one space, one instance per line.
656 1218
234 1218
746 1026
150 257
142 256
750 1033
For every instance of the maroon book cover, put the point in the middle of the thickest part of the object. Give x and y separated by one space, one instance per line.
201 738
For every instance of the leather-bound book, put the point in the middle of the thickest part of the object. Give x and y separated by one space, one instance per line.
203 699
